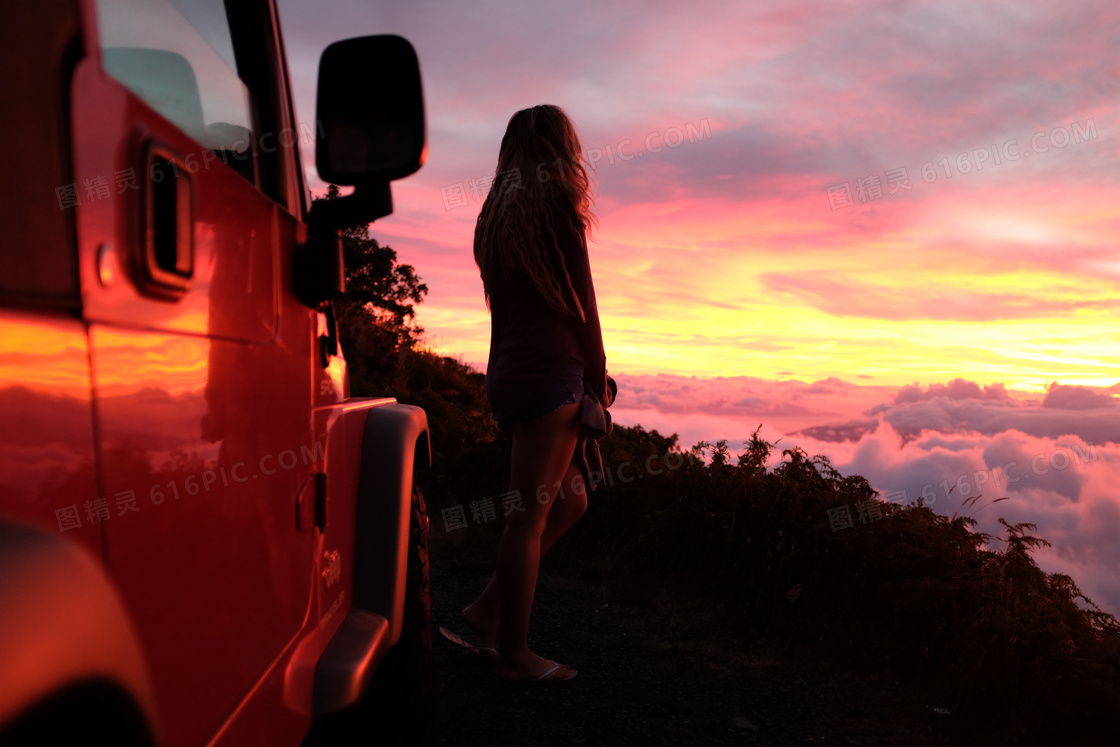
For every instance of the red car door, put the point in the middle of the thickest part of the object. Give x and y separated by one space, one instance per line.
186 208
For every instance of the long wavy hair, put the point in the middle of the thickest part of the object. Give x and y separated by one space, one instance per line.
514 236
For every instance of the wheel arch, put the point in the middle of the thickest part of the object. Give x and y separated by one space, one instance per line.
395 443
64 634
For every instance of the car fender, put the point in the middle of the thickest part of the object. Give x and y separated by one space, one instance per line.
395 442
61 623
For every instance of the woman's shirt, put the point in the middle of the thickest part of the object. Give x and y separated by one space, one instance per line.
530 340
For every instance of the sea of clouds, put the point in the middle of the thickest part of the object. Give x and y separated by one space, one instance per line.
1053 457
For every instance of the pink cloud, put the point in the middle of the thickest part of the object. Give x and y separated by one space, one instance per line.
744 397
1061 397
944 415
956 389
836 406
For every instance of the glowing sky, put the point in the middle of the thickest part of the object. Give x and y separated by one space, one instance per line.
820 202
728 254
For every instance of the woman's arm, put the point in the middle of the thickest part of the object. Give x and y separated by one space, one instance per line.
573 247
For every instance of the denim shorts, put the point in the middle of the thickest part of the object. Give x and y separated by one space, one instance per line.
565 389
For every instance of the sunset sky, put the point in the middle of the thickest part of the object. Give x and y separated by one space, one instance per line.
887 231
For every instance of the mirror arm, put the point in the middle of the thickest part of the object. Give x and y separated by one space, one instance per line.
366 204
320 273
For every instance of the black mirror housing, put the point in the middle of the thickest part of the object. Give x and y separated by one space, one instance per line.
371 107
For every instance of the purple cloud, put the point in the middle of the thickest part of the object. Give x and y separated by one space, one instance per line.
852 431
1077 398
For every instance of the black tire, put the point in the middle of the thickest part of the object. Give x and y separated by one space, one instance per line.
403 691
90 713
399 708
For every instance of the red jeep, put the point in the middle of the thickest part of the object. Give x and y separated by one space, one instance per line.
203 538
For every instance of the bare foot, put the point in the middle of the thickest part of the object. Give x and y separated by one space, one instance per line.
484 626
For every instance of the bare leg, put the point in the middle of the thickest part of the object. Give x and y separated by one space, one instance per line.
542 453
481 615
566 509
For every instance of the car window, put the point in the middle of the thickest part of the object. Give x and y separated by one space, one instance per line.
177 55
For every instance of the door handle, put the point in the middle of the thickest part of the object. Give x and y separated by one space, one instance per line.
167 230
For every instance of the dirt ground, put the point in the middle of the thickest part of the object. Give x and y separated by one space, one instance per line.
652 677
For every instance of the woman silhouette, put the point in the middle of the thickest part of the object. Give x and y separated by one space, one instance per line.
546 351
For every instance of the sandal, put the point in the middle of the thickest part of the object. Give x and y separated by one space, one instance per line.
486 653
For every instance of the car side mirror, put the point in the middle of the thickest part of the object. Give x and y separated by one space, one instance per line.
371 109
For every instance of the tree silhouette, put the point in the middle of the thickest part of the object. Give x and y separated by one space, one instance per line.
376 316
